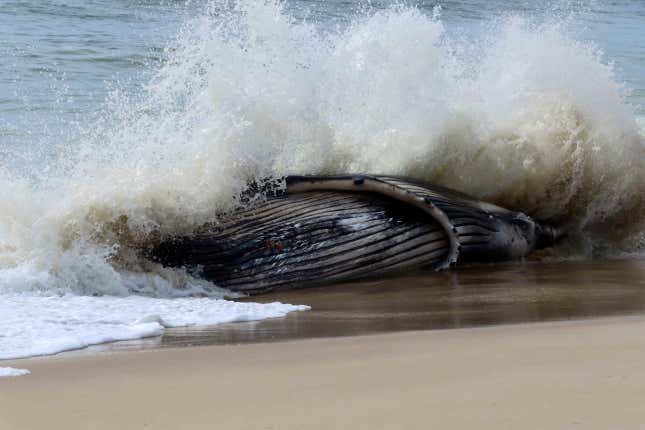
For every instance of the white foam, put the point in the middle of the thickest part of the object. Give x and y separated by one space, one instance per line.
641 125
10 371
32 325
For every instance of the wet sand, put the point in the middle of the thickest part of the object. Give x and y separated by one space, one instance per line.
471 297
585 374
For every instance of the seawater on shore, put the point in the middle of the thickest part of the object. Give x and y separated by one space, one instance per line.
473 296
470 297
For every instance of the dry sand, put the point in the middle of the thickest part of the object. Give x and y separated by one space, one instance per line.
586 374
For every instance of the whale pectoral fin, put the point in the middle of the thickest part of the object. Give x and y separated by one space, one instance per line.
394 188
476 230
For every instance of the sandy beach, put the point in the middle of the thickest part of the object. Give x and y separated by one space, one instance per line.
560 375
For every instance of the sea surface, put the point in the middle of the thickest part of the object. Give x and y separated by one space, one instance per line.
125 122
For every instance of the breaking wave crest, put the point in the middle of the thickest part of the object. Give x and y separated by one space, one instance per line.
526 117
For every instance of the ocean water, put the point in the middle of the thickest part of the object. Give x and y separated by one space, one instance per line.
126 122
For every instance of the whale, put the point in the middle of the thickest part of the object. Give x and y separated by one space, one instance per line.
313 230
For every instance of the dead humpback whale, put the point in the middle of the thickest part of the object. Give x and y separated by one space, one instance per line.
322 229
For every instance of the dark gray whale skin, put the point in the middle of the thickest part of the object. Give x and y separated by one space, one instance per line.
323 229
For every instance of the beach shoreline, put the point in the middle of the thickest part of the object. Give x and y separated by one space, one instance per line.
546 375
141 146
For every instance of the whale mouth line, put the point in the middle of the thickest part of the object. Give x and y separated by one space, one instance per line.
323 229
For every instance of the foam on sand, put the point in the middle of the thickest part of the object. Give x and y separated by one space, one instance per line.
46 325
10 371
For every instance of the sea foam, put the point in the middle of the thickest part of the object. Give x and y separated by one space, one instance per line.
33 326
10 371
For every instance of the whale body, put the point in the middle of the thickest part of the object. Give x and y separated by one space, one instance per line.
324 229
